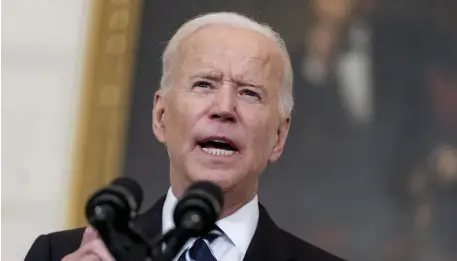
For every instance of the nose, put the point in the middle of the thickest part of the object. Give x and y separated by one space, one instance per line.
224 107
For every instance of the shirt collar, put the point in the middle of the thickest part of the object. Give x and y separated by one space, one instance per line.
239 227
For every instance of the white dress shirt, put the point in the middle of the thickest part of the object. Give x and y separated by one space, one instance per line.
238 229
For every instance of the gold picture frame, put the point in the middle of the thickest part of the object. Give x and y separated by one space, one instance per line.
106 92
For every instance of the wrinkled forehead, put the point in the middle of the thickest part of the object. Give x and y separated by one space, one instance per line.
236 50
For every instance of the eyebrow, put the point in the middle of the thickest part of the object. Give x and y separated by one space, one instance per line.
242 82
214 76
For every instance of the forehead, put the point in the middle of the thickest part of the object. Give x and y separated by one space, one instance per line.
233 49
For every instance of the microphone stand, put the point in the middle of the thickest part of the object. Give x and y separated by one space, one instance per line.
166 247
162 248
190 223
194 215
108 236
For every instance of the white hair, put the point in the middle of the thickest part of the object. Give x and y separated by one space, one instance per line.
235 20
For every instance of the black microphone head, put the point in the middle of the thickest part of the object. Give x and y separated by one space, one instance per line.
117 204
209 188
199 208
133 188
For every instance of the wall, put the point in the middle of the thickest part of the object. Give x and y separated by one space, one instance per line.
42 55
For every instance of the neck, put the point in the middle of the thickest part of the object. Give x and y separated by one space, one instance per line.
235 200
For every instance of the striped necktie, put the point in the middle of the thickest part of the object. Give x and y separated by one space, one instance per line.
200 250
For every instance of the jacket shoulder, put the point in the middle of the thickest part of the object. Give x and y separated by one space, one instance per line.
55 246
303 250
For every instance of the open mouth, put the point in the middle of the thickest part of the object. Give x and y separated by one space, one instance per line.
218 147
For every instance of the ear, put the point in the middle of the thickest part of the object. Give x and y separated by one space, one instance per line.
278 148
158 112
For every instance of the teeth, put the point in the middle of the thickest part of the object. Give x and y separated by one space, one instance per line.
218 152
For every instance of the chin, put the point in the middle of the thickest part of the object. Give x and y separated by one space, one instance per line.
223 178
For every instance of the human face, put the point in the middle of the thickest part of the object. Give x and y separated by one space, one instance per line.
220 119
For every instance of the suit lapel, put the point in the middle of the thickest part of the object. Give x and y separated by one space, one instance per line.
150 224
266 243
151 221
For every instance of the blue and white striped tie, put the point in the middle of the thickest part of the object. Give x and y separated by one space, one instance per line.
200 250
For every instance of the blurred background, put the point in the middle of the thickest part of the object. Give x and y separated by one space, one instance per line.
42 59
370 166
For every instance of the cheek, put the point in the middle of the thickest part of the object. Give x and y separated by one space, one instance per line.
181 117
262 122
263 136
175 121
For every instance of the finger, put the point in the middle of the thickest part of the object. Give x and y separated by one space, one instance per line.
89 235
98 248
81 257
90 257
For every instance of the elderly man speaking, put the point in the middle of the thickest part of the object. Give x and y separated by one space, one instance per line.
223 113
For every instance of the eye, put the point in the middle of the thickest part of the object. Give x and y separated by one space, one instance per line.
251 93
203 84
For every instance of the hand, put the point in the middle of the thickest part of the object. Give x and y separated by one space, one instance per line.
92 248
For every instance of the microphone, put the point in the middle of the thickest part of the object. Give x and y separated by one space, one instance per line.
117 204
195 215
199 208
112 210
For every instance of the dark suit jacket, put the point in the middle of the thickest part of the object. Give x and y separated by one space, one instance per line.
269 241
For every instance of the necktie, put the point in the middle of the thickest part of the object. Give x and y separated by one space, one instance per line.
200 250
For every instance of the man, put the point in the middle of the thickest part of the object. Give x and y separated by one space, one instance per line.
223 112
